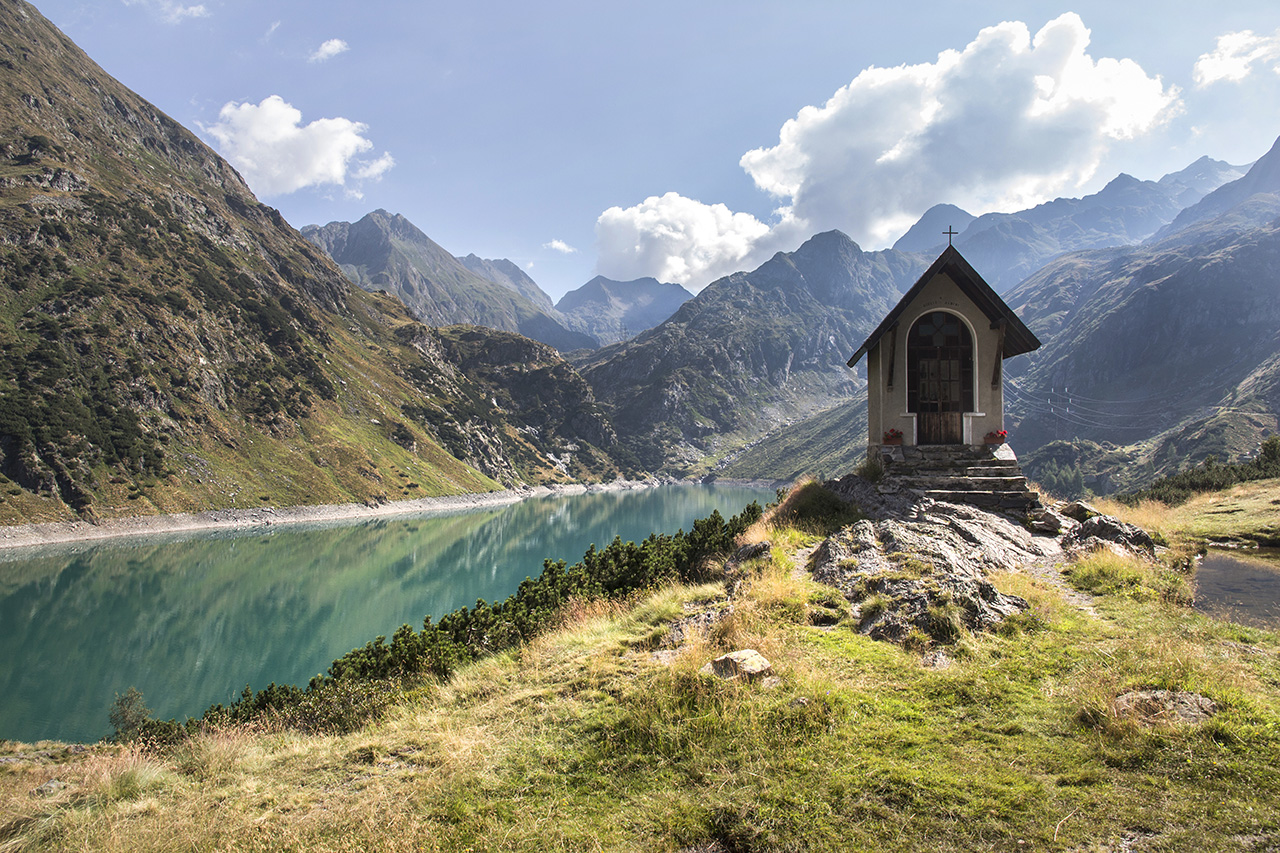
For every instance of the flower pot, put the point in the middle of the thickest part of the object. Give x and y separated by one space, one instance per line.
893 441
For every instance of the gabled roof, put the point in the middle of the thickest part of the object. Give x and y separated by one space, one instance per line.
1018 339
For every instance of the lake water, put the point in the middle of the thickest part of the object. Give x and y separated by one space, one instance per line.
191 620
1240 586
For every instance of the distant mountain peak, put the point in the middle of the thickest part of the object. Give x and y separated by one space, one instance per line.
928 234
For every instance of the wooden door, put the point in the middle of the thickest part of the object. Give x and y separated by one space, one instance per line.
940 377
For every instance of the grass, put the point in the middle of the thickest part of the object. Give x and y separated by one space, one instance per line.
580 740
1248 512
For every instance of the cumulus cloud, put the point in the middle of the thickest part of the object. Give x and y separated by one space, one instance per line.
278 154
1235 56
1009 121
674 238
372 170
329 50
560 246
169 11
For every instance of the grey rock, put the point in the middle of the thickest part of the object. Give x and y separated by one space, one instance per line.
1105 531
48 789
1170 706
747 664
1051 523
1080 511
925 570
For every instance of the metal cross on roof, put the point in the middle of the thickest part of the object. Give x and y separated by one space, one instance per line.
950 232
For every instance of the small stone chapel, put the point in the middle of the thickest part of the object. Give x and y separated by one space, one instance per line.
935 395
934 363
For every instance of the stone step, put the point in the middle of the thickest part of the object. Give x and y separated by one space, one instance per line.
1002 469
966 484
1014 499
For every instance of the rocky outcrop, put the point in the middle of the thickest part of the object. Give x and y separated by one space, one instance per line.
1106 532
922 573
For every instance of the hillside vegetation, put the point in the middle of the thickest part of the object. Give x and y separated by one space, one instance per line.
584 739
169 343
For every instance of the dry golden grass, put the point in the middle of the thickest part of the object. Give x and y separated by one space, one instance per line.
1151 515
580 740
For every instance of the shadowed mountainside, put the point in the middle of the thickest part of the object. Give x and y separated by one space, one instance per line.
749 352
168 343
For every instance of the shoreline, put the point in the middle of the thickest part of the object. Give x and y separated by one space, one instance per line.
71 532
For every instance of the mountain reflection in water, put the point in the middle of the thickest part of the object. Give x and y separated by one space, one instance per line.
191 620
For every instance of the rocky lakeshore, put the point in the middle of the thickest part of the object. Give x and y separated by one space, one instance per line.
63 532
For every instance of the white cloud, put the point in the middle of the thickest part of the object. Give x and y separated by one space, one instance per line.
674 238
560 246
329 50
271 30
169 11
1235 55
372 170
1005 123
278 154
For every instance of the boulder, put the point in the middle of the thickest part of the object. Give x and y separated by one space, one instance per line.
1079 511
1168 706
1105 531
1051 523
747 664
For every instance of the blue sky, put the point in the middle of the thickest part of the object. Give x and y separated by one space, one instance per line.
687 140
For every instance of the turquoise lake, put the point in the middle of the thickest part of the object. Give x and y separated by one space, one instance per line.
191 620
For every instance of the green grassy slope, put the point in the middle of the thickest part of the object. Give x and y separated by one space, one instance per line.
582 739
167 342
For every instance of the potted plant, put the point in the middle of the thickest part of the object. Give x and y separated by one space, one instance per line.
893 436
997 436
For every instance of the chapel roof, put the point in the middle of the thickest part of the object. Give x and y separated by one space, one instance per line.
1018 339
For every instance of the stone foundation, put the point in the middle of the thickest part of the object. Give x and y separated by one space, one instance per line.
986 476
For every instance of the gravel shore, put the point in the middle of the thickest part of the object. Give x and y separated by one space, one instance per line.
60 532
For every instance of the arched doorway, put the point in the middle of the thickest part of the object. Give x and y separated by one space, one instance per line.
939 377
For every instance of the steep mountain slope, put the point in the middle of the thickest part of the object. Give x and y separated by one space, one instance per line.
613 311
169 343
928 234
748 352
1262 177
1008 247
1169 349
827 445
504 272
387 252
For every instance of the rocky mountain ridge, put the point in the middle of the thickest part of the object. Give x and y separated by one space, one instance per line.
168 343
384 251
614 311
1009 247
749 352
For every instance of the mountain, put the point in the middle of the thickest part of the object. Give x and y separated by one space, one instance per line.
168 343
384 251
1201 178
612 311
929 232
1167 350
506 273
750 351
1008 247
1263 177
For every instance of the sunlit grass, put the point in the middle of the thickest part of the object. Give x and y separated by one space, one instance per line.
582 740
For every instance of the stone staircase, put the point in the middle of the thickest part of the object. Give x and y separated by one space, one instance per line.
979 475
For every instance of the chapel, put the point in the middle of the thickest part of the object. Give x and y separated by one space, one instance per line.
934 364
